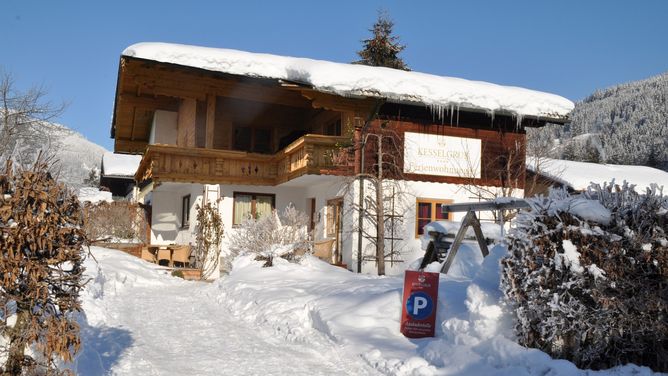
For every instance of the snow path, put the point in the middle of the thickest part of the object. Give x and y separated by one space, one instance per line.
187 331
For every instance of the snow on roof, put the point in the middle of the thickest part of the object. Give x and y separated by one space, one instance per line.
120 164
437 92
579 175
93 195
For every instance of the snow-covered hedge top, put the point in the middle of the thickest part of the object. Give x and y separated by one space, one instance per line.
437 92
579 175
120 164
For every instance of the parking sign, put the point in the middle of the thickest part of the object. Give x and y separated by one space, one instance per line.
420 298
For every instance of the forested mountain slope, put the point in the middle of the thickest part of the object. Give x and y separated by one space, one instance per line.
72 156
624 124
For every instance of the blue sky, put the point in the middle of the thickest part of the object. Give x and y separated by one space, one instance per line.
565 47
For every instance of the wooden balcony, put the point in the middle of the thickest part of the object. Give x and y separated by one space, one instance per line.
310 154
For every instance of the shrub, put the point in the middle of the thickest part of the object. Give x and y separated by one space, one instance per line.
177 273
588 277
40 270
208 237
272 236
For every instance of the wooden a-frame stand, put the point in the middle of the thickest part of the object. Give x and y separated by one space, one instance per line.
471 220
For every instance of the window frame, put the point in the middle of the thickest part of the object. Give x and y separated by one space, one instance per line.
185 211
433 202
253 202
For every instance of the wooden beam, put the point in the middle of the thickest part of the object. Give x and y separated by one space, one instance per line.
185 127
469 220
127 100
190 178
129 146
359 106
184 83
505 204
210 119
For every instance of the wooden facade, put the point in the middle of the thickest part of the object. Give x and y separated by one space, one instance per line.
310 154
241 130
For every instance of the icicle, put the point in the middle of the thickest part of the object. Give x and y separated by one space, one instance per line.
491 114
518 118
457 114
452 112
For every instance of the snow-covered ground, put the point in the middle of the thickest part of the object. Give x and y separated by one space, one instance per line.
302 319
579 175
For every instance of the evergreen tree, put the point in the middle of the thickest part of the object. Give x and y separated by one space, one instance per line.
625 124
383 48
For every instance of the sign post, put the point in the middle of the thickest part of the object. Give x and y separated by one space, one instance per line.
418 313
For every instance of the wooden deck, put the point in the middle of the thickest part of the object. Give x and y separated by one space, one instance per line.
310 154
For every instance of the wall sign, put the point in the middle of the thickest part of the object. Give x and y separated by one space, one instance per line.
430 154
418 313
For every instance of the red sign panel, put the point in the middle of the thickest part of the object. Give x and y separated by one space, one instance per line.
418 314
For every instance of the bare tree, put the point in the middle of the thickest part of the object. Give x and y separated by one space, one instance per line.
22 113
380 211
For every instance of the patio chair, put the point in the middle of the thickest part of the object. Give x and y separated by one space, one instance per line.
147 255
323 250
181 254
165 253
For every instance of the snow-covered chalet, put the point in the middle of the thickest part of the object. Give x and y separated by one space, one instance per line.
261 132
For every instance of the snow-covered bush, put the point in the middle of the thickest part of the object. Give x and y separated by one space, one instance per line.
588 277
273 236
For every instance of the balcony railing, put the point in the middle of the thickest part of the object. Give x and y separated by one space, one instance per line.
310 154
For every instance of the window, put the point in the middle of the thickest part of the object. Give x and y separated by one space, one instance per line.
333 128
334 208
252 205
428 210
242 138
256 140
185 211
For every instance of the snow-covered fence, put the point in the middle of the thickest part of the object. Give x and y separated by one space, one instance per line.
118 221
587 276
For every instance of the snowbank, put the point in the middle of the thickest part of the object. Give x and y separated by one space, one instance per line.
360 315
309 318
120 164
579 175
439 93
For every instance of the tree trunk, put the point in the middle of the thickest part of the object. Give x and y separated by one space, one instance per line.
380 213
17 344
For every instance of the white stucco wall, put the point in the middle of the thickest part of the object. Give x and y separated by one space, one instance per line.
405 204
163 128
167 199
